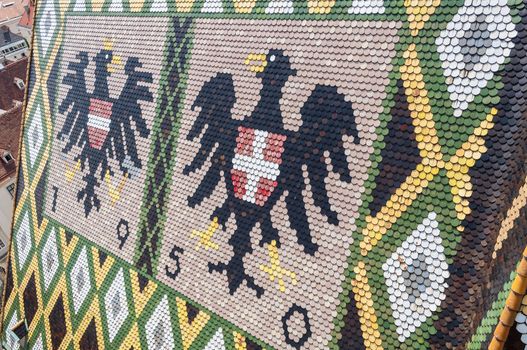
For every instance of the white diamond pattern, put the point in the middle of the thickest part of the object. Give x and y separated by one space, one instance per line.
47 25
116 305
49 259
39 345
280 6
116 6
474 44
80 280
159 6
217 342
416 275
80 6
363 7
159 328
212 6
12 340
24 242
35 136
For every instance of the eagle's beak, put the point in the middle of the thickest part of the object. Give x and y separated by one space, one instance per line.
256 62
115 64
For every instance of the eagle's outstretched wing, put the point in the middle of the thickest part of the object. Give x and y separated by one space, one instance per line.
77 98
326 118
121 143
215 101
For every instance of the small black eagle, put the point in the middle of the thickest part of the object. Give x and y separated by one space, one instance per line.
260 159
101 125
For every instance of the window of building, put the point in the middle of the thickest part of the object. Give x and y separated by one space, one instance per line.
7 157
11 190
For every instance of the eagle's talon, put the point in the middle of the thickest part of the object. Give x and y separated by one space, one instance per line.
235 277
221 215
205 237
267 240
251 284
269 233
274 269
219 267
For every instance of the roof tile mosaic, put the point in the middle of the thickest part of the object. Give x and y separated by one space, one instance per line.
271 175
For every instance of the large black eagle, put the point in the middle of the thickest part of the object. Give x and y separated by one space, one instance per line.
101 125
260 159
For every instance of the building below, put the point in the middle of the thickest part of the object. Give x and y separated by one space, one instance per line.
10 123
25 25
12 12
13 47
12 81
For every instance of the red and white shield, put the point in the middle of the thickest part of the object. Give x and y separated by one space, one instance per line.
256 164
99 116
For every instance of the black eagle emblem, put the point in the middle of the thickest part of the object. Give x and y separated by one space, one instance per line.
104 127
260 159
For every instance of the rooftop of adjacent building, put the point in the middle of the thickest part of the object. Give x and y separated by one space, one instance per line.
12 83
7 37
27 17
10 126
12 9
